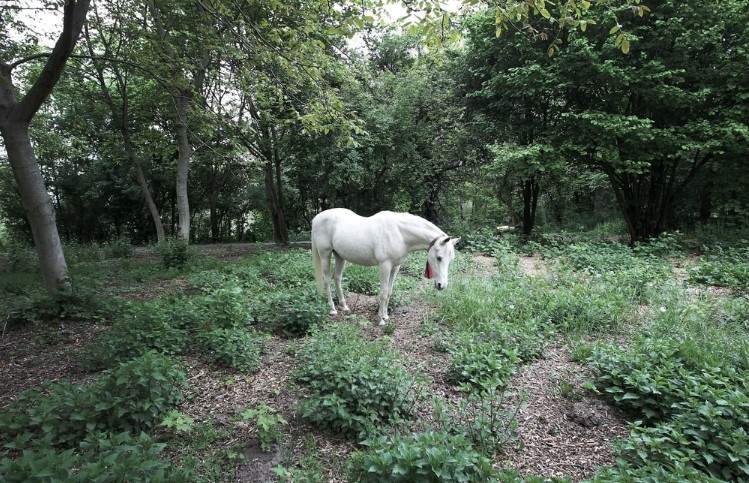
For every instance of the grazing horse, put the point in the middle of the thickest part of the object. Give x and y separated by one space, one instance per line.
383 239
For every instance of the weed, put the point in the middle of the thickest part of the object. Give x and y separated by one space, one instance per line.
268 423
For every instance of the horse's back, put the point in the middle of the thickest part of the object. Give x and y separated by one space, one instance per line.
353 237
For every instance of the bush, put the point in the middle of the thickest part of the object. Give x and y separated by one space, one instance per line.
103 457
21 257
174 252
132 397
429 457
363 280
723 268
142 326
694 414
482 365
290 313
482 418
234 347
80 305
119 248
224 307
353 385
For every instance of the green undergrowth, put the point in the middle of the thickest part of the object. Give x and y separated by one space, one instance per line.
352 385
68 432
683 381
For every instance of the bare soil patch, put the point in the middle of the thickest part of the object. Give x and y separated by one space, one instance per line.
561 434
533 266
38 353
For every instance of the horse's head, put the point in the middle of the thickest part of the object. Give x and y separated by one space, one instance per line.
440 254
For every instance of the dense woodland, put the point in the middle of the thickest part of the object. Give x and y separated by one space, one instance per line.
218 121
593 156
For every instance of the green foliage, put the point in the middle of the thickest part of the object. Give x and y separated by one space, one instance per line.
482 417
174 252
268 424
723 268
20 257
363 280
119 248
290 313
102 457
234 347
131 397
429 457
178 422
694 414
482 365
352 385
226 307
79 306
140 327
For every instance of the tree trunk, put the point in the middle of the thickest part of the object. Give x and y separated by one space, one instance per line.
278 220
706 199
184 150
38 207
531 189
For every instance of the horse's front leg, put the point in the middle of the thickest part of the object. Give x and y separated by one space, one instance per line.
385 270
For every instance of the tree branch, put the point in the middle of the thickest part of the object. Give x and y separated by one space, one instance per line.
73 17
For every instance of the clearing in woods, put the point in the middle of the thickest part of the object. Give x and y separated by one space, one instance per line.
537 319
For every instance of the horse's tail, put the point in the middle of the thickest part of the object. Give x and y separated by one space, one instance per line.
317 261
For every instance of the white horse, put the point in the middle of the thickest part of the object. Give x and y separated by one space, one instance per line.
383 239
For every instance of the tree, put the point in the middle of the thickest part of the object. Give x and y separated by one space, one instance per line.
15 117
113 39
652 120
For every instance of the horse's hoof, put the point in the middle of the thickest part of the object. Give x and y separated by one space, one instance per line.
345 308
383 322
333 312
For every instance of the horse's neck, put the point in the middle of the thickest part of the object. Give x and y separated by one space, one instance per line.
418 233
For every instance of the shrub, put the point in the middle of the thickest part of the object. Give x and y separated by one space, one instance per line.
234 347
481 417
363 280
353 385
80 305
723 268
290 313
119 248
21 257
224 307
429 457
694 414
482 365
131 397
289 269
652 473
142 326
174 252
653 379
103 457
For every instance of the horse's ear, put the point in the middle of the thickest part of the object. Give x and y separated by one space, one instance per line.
454 240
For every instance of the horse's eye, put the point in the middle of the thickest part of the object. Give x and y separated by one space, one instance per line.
439 259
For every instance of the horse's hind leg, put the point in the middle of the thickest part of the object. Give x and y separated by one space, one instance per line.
340 264
325 255
385 269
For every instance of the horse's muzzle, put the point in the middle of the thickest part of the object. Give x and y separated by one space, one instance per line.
438 285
